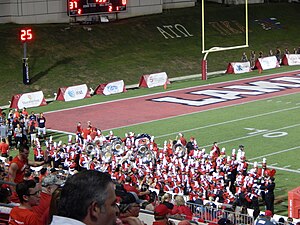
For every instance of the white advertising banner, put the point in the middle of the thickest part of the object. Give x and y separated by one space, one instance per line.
114 87
157 79
268 62
75 92
241 67
293 59
32 99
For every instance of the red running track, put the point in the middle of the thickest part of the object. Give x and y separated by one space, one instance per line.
126 112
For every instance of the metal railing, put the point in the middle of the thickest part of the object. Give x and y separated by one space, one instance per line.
209 214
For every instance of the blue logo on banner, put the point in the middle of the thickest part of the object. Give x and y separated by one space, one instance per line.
239 68
71 93
112 88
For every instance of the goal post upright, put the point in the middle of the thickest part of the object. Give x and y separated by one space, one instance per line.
217 49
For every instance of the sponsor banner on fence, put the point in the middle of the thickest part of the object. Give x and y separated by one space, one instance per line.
73 93
154 80
111 88
291 59
114 87
238 67
267 63
28 100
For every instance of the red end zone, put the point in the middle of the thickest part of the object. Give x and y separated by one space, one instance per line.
143 109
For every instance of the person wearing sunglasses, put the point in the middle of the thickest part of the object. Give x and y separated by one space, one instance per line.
29 194
130 206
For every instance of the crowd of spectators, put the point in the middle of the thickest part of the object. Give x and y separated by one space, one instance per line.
19 127
145 174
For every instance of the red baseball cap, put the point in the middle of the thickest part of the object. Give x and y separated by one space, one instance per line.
268 213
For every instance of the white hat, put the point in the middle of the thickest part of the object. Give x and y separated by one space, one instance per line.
255 164
233 151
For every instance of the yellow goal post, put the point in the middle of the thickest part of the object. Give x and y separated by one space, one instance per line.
217 49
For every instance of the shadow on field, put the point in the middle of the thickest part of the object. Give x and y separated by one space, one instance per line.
41 74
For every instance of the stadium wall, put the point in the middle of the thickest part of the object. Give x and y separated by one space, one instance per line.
55 11
237 2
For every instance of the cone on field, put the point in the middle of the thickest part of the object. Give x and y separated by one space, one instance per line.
165 86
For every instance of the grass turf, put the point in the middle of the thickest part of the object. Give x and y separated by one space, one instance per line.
64 55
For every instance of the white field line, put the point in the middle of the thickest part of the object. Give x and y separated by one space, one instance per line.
285 168
61 132
186 114
275 153
282 168
229 121
260 133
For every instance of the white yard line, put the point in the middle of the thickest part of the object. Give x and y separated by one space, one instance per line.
231 121
275 153
285 168
282 168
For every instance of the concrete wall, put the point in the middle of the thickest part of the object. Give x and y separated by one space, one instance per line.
237 2
55 11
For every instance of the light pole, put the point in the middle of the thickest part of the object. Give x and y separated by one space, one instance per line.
25 36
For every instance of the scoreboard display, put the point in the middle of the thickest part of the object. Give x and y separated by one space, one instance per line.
88 7
25 34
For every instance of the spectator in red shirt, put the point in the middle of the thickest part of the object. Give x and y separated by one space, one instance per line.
129 187
29 195
16 114
24 112
161 215
4 148
17 167
49 184
181 209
